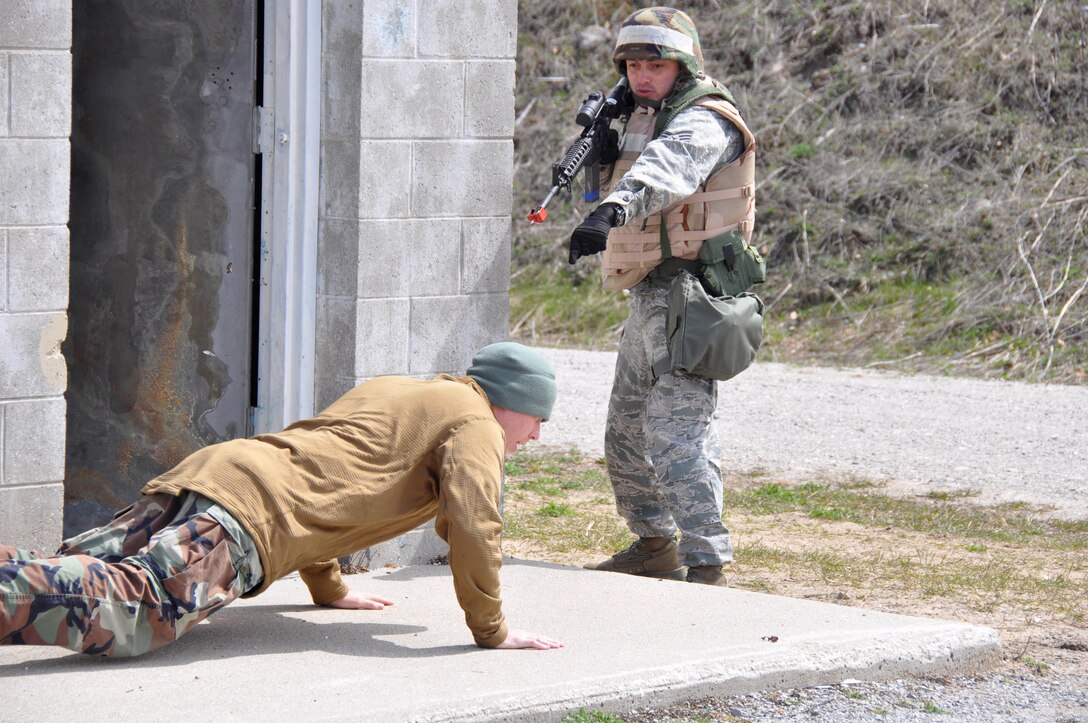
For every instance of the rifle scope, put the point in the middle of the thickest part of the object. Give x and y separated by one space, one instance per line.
591 106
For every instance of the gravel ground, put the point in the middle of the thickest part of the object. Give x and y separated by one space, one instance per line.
982 699
1000 441
996 441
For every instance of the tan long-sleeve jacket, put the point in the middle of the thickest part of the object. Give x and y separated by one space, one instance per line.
384 458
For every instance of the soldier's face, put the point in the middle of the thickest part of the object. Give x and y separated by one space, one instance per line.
652 79
518 427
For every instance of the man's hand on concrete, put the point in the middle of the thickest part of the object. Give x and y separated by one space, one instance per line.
358 601
522 639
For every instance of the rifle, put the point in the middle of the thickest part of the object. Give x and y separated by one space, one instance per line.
595 144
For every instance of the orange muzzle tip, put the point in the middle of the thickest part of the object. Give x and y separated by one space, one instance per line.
538 215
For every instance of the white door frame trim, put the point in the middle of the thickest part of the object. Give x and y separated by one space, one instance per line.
288 138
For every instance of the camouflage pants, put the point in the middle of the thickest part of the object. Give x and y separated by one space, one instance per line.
161 566
661 446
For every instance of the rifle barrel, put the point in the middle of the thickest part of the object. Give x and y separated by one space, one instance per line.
540 213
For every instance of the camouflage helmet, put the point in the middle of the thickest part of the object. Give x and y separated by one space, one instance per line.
659 33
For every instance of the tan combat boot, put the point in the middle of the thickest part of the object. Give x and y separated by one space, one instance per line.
647 556
707 575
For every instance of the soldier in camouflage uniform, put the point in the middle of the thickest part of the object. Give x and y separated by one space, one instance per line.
232 518
666 197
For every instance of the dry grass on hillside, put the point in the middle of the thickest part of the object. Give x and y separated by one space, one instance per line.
923 184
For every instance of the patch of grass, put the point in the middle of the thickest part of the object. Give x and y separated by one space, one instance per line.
1002 523
556 509
914 545
801 151
828 513
1037 666
773 497
552 486
556 307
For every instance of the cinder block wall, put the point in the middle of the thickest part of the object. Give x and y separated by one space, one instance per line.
417 173
35 125
414 249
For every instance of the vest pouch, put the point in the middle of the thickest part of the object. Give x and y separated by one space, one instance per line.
707 336
731 266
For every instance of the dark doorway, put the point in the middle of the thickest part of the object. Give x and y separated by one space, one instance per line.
159 349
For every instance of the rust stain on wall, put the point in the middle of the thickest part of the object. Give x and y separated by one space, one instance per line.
161 203
160 407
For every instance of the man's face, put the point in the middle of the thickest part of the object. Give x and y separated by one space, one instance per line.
652 79
518 427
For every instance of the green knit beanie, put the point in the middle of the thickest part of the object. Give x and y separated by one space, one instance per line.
515 377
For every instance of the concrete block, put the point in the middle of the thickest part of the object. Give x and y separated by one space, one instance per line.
389 29
413 257
412 99
385 177
468 28
339 196
3 269
341 61
485 254
381 337
36 181
489 99
341 26
32 517
329 389
386 259
34 433
36 24
4 98
335 337
38 269
436 265
462 178
343 82
31 363
421 546
448 330
41 94
337 257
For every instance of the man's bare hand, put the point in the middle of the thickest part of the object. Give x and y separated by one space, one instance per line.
521 639
358 601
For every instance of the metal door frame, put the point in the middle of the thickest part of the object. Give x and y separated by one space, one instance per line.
288 126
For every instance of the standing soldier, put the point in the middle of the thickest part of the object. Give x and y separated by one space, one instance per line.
684 176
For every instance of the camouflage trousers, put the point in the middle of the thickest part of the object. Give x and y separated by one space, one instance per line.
661 447
158 568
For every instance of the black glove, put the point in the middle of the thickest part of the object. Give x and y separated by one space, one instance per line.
591 236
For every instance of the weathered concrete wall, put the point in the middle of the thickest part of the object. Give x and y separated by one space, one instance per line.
35 122
417 173
162 241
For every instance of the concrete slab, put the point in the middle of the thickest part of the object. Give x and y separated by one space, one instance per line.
630 642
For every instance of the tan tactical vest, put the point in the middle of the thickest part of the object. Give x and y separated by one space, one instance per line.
726 201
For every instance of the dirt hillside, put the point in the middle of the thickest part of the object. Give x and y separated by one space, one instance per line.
923 171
